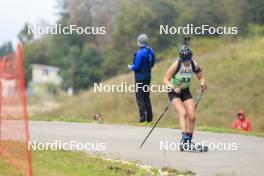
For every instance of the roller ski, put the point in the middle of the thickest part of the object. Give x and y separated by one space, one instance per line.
187 145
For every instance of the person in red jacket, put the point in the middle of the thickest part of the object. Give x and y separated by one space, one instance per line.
241 123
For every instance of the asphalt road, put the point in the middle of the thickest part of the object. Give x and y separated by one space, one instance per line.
245 155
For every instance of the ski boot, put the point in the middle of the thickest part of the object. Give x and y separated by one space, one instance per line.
188 145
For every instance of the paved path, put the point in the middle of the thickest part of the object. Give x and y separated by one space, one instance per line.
123 142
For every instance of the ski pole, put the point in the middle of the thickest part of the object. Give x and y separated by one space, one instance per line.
199 98
167 107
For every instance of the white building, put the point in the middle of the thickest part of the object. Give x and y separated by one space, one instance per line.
42 74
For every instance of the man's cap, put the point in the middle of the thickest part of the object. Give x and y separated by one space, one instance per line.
142 39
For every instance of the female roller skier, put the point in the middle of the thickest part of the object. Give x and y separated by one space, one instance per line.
178 78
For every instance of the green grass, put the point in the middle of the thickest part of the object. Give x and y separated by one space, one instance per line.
67 163
234 74
7 170
176 172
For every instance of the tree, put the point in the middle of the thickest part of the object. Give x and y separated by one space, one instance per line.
83 68
24 36
166 13
130 22
6 48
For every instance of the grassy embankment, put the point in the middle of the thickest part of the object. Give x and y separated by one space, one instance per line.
67 163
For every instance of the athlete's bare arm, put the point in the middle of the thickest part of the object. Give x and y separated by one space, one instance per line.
169 74
200 77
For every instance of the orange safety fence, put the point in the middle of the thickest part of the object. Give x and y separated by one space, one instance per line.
14 132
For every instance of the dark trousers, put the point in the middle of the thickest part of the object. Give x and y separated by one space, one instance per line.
143 101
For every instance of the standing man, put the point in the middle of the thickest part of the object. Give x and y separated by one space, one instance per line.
144 60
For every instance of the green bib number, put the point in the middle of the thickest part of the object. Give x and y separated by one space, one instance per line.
185 82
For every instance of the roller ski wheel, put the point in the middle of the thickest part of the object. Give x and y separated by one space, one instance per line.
192 147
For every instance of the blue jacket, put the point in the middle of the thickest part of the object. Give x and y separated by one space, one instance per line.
144 60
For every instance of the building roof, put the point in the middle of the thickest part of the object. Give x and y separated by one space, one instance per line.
53 68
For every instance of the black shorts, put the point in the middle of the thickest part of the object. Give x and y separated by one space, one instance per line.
184 95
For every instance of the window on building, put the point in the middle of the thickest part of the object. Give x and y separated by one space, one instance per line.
45 72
